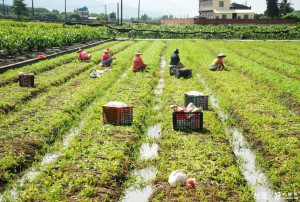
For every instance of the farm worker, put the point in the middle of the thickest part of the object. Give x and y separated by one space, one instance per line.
217 63
106 58
137 62
82 55
175 60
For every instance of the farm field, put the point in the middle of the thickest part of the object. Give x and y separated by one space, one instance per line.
260 93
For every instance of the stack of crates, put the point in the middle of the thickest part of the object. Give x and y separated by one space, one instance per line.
118 115
191 120
188 120
26 80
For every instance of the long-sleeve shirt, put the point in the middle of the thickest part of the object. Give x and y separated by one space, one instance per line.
84 56
174 59
216 62
105 56
137 62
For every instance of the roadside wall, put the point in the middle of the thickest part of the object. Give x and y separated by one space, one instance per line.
182 21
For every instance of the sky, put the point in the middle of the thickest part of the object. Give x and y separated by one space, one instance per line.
153 8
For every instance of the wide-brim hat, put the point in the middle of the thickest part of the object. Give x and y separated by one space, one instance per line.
176 51
138 53
221 55
79 50
107 50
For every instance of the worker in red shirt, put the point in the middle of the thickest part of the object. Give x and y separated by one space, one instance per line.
217 63
137 62
82 55
106 58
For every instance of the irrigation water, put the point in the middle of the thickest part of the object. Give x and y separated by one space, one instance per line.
34 171
138 192
254 176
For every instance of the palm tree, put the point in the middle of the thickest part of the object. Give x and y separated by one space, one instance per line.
285 7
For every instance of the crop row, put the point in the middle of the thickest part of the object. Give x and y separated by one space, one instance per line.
12 75
269 125
44 119
264 59
40 35
13 94
262 73
99 159
206 156
37 37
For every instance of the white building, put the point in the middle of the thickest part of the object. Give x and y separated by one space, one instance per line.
222 9
82 12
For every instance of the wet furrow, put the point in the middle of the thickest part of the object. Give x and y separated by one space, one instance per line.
142 190
246 157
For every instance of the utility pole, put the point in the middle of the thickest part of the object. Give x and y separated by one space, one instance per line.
3 9
105 13
139 10
121 12
64 24
32 11
118 19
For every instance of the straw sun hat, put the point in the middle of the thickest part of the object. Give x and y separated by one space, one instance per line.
138 53
79 50
107 50
221 55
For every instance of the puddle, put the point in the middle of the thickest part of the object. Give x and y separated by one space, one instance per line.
156 107
163 63
160 86
158 91
146 174
251 172
34 171
148 152
134 194
158 99
71 134
154 131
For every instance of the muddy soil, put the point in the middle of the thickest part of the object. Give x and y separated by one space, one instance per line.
7 58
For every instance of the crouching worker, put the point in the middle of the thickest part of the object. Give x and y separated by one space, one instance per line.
218 63
106 58
82 55
175 60
137 63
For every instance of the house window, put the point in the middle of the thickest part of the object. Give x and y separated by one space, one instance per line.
217 17
246 17
224 16
221 3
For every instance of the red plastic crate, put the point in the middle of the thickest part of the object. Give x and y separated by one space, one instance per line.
188 120
118 115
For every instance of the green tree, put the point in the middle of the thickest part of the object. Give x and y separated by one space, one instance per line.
165 17
73 16
102 16
285 7
112 16
272 8
56 11
144 17
19 8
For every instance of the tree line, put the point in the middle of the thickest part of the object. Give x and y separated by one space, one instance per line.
20 10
